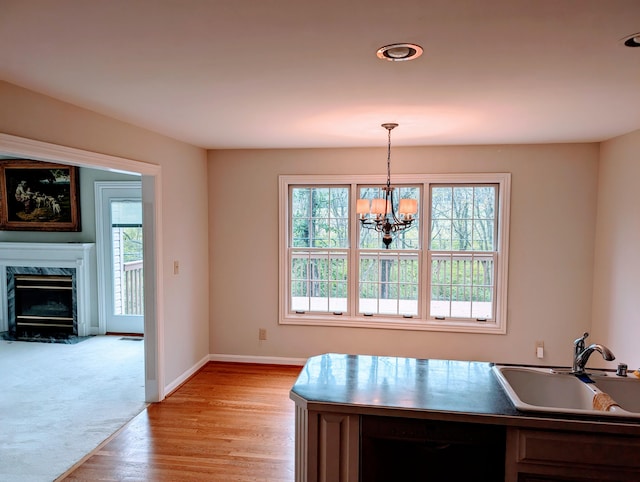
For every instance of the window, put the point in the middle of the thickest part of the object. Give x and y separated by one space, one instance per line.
318 243
388 278
462 251
447 271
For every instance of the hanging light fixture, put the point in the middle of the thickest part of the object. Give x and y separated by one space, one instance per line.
379 214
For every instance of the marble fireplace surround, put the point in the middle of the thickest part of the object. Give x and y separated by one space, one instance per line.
76 258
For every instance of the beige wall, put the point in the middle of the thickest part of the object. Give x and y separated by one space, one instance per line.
616 310
552 238
184 206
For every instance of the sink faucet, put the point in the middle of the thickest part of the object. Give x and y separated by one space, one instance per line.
581 354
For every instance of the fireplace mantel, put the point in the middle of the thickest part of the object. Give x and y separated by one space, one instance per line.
80 256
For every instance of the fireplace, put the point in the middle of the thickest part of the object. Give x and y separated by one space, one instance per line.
45 288
43 304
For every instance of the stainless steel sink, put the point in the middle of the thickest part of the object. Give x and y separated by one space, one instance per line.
543 390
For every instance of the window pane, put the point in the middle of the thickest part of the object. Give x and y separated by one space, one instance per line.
338 267
300 233
483 235
320 202
319 281
470 218
440 269
462 282
462 202
484 214
440 305
441 234
407 238
462 285
485 202
299 267
126 238
320 234
319 217
339 231
339 202
460 302
408 270
126 213
461 235
369 239
389 283
300 202
338 297
299 296
441 202
368 268
408 299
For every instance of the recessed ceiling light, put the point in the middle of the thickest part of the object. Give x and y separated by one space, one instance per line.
632 40
399 52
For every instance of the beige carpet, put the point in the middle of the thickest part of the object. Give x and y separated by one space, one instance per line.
58 402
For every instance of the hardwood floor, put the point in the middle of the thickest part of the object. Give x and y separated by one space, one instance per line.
229 422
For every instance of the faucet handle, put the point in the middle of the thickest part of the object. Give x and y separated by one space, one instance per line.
580 341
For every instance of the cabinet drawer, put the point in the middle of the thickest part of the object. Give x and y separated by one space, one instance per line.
578 449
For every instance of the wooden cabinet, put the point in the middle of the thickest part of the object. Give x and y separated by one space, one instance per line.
367 419
548 455
343 447
327 446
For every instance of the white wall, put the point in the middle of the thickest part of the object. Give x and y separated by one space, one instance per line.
552 238
616 307
184 207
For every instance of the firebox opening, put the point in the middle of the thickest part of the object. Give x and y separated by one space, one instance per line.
43 305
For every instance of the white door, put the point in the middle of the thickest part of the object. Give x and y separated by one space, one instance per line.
119 250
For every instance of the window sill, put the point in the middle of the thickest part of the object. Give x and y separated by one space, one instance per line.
396 324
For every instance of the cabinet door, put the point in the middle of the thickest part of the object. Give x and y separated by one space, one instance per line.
538 455
327 446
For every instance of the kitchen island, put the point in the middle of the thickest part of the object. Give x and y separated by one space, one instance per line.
373 418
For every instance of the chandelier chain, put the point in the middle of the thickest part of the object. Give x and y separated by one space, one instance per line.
389 157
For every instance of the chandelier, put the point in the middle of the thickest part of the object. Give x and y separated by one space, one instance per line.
379 214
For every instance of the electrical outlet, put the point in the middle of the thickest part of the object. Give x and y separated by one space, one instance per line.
176 267
540 349
262 334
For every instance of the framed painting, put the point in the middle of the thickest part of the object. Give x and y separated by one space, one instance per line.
38 196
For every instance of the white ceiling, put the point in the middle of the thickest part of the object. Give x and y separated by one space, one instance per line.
303 73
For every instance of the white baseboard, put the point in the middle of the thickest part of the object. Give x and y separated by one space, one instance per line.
265 360
185 376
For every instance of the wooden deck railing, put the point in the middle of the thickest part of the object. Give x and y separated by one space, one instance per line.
133 288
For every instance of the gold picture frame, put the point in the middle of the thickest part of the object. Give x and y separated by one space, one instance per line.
38 196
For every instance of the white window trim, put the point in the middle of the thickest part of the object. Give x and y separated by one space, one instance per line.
351 319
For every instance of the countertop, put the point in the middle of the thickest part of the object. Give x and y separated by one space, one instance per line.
403 383
418 387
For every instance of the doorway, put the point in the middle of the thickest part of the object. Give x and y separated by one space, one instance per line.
119 247
14 146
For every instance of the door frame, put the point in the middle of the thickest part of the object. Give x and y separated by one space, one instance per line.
104 252
152 238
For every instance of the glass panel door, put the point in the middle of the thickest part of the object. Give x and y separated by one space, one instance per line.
126 238
119 249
